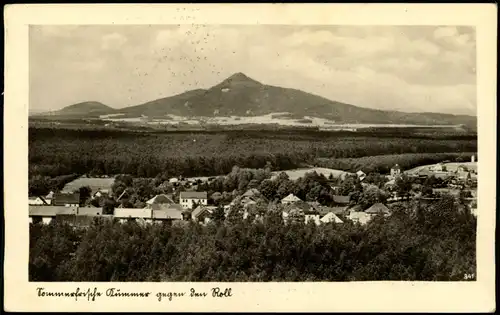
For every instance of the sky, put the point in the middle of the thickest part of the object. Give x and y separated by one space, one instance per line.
406 68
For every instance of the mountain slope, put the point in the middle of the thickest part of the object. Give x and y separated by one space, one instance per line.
240 95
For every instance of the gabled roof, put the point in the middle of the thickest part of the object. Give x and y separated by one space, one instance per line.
61 199
193 195
331 217
299 206
122 213
291 198
51 211
341 199
200 209
50 195
360 173
159 199
39 197
378 208
252 192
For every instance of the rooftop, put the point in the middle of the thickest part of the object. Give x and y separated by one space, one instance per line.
193 195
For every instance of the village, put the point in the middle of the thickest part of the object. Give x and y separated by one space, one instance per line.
186 203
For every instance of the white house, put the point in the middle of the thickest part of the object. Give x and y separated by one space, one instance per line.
312 216
395 170
359 217
189 198
290 199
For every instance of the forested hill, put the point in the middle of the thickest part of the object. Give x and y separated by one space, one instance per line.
240 95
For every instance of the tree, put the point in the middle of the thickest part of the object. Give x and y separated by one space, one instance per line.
109 206
218 215
403 186
85 192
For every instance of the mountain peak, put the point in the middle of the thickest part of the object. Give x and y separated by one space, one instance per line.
239 77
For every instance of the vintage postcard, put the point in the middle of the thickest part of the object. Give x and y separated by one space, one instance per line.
250 157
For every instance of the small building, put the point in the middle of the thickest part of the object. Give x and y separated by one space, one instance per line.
331 217
49 197
173 180
361 175
189 198
45 214
473 158
360 217
133 214
378 208
100 193
291 198
202 213
37 201
395 170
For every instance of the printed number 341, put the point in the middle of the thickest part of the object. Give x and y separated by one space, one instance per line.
469 276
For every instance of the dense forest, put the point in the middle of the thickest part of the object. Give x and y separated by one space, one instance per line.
433 242
55 152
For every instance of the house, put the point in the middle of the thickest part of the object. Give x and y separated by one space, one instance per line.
341 200
160 199
331 217
189 198
167 213
335 210
395 170
312 215
173 180
45 214
66 199
291 198
49 197
132 214
37 201
202 213
100 193
378 208
359 217
252 193
462 169
361 175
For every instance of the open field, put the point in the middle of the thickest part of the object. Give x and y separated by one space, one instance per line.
450 167
296 173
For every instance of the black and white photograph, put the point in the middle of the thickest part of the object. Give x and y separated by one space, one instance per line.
233 153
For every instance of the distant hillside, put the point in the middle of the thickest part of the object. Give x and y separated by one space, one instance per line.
84 109
240 95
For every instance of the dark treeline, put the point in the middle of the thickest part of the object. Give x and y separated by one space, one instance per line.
54 152
434 242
